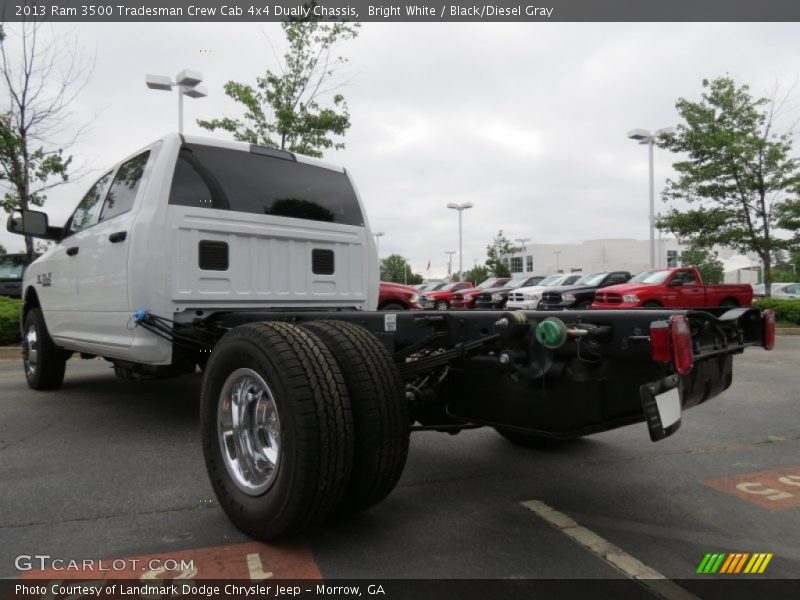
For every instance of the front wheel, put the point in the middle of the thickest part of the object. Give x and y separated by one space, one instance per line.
393 306
44 362
652 304
277 429
442 305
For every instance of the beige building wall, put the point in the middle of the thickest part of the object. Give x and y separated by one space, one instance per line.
609 255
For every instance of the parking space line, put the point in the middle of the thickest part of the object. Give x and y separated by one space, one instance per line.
613 555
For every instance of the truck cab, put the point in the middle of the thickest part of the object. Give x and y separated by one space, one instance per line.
188 226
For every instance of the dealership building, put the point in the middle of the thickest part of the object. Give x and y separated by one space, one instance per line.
620 255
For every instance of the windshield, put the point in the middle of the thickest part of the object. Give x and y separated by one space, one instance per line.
650 277
450 287
489 283
11 267
517 282
591 279
434 287
550 280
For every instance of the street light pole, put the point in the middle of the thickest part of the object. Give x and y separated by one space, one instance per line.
450 260
645 137
187 83
460 208
557 252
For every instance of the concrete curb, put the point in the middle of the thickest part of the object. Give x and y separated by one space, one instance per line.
10 352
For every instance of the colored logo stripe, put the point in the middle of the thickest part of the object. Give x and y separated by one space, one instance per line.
720 562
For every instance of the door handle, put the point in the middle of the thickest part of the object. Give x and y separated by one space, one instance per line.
73 250
117 236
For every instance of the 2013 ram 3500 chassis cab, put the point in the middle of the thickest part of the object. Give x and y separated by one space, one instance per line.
258 266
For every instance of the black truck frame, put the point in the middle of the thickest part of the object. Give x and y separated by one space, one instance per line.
347 388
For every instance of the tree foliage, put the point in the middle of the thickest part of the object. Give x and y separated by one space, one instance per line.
739 173
710 267
3 249
497 255
39 80
396 269
477 274
286 108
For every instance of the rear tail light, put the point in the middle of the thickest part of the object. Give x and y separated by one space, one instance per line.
681 344
659 341
769 329
671 341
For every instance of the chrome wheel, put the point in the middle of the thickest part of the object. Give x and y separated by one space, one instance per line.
249 431
442 305
30 350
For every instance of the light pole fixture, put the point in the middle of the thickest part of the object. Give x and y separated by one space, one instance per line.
450 260
522 243
378 235
188 84
460 208
557 252
645 137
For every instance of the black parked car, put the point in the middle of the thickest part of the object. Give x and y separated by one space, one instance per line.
581 294
496 299
11 269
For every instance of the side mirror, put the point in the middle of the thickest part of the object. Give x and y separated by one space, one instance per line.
28 222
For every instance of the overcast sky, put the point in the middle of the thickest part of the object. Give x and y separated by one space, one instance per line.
527 121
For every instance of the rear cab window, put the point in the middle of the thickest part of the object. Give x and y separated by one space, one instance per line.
262 183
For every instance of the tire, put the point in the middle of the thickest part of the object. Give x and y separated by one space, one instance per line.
729 303
530 440
442 305
652 304
393 306
305 437
44 362
380 411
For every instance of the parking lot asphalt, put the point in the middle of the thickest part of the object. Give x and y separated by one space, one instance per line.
106 468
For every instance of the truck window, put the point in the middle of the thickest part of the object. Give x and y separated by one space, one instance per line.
88 211
11 267
209 177
126 183
685 277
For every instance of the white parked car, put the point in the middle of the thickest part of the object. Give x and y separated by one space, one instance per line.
786 291
528 298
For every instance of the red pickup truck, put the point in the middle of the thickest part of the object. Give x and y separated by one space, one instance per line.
672 288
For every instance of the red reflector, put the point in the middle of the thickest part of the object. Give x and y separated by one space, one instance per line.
769 329
682 356
659 341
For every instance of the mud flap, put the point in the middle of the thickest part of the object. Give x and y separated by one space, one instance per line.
662 402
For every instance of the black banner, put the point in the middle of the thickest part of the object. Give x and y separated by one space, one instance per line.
394 589
400 11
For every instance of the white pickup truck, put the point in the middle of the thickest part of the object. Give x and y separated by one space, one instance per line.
258 266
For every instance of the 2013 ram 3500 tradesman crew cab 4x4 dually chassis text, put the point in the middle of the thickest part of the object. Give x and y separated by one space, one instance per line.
258 266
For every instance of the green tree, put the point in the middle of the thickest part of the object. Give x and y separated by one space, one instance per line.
710 267
497 255
477 274
39 81
285 108
739 172
395 268
3 249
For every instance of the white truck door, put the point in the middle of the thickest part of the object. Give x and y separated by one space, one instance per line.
103 262
56 278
